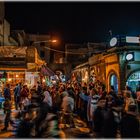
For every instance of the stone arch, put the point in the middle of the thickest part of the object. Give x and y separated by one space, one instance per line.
116 78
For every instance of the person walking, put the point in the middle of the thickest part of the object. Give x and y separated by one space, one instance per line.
17 90
7 93
129 126
47 97
92 100
7 112
68 107
128 100
23 95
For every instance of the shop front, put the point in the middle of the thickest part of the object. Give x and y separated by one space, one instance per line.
31 78
134 80
21 67
132 67
14 77
81 73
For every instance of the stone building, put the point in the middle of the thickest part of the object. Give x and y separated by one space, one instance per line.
118 66
42 44
77 56
19 64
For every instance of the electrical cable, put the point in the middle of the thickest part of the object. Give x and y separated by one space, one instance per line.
64 51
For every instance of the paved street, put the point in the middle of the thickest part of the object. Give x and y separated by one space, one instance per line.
11 130
80 129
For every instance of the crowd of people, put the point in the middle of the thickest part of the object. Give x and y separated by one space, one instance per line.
43 108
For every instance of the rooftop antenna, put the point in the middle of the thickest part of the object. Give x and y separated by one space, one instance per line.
110 33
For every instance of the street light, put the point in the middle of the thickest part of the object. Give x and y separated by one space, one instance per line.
46 44
54 41
47 41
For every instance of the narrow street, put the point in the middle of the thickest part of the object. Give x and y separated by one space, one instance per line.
80 131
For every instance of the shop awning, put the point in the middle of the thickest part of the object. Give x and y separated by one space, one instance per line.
47 71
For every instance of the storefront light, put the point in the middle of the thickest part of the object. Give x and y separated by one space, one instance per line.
9 79
17 75
43 80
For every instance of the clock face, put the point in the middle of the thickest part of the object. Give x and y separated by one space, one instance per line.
129 56
113 41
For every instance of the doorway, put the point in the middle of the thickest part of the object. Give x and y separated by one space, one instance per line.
114 82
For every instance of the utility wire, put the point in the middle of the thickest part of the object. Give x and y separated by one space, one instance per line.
58 50
64 51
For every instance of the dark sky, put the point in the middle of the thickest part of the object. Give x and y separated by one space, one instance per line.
75 22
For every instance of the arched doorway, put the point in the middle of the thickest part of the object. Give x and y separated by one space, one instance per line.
134 80
114 81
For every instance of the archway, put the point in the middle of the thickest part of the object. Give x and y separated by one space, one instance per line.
114 81
134 80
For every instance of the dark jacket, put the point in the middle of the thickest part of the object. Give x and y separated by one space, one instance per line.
7 93
130 126
98 119
109 127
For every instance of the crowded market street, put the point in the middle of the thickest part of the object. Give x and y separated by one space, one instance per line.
69 70
81 130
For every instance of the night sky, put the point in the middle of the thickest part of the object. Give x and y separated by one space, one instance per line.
75 22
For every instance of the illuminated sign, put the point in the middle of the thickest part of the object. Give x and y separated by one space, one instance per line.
123 40
113 41
132 39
